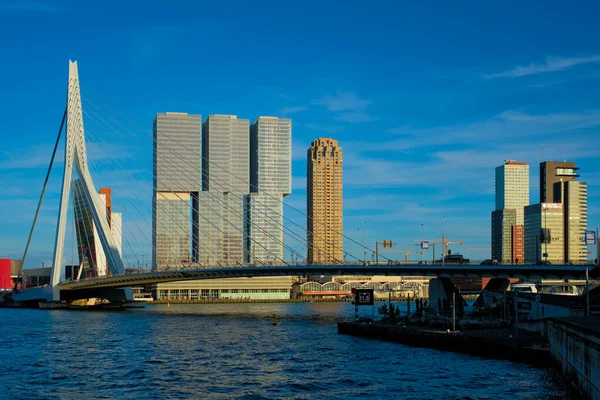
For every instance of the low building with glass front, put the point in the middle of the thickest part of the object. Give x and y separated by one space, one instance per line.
257 288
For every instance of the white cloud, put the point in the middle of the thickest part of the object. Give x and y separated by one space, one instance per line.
352 108
291 110
552 64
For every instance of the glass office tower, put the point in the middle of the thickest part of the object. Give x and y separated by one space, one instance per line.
177 182
223 202
271 180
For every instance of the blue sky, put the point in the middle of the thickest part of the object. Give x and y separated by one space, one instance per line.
425 99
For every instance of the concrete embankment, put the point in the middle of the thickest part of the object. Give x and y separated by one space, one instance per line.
503 343
575 349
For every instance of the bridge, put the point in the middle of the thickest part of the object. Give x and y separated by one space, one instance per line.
115 284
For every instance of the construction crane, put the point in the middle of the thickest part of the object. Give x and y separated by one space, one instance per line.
445 243
405 252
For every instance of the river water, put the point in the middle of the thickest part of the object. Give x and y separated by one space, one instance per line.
233 351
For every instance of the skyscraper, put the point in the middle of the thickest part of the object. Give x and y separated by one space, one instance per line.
324 202
573 195
544 235
177 182
552 172
512 195
559 185
270 181
223 202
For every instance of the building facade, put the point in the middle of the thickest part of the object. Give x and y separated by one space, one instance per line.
324 202
270 181
512 187
575 201
177 181
223 203
552 172
503 222
512 195
558 183
544 233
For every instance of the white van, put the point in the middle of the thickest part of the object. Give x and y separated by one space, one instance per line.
523 287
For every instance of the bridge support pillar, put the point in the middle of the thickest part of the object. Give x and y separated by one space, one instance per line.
440 296
491 292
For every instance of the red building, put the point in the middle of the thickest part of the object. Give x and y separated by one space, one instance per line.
5 280
518 244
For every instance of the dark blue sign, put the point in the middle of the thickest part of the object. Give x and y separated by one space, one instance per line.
364 297
590 238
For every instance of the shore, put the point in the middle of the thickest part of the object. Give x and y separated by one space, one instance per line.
498 343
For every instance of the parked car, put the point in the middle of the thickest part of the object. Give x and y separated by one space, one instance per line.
489 262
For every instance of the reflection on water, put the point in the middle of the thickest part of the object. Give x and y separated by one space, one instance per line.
234 351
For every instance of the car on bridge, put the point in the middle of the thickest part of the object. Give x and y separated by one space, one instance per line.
489 262
454 259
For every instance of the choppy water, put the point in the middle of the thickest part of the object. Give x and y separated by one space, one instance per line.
233 351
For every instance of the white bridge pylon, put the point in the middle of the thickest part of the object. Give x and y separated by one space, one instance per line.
76 157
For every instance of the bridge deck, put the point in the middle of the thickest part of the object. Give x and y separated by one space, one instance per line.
452 271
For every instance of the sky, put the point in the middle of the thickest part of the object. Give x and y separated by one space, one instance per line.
425 98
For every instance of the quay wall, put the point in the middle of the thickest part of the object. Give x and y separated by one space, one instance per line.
575 350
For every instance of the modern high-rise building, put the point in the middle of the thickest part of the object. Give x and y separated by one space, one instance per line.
502 234
512 195
223 202
552 172
558 184
544 233
177 182
324 202
89 248
512 187
270 181
573 196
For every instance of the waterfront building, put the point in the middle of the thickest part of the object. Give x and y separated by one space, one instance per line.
223 208
176 182
270 181
89 248
257 288
574 199
558 183
511 195
544 233
502 234
552 172
324 202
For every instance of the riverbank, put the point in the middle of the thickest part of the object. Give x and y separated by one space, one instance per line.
498 343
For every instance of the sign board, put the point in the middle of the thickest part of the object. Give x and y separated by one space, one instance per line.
424 245
387 244
363 297
590 238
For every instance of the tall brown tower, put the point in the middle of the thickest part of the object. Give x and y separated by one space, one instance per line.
552 172
324 202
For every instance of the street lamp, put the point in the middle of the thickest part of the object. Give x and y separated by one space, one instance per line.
358 244
422 229
364 242
443 241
